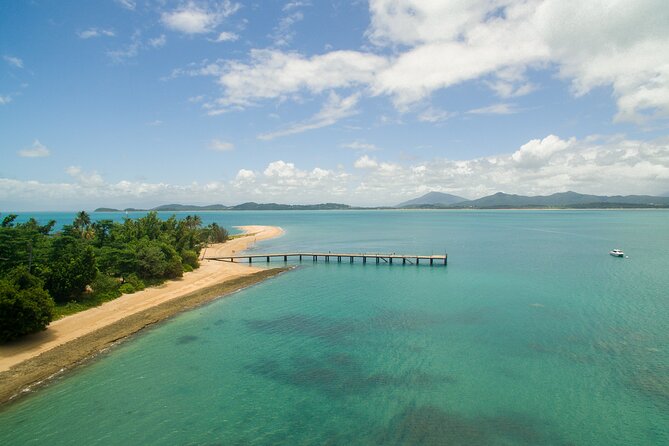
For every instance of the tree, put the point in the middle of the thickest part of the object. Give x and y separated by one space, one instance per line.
71 267
8 220
25 307
216 233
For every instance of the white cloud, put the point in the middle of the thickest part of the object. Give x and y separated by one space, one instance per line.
37 150
618 44
4 100
159 41
501 108
435 115
86 179
592 44
295 4
13 61
245 175
334 109
283 34
95 32
280 180
155 123
537 151
220 146
226 36
193 18
423 46
596 165
540 167
511 82
280 169
365 162
274 74
127 4
361 146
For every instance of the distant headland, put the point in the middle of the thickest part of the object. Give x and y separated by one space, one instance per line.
439 200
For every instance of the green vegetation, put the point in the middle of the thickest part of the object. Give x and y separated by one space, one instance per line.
45 276
250 206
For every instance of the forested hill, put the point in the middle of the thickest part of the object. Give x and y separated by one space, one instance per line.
249 206
567 200
43 274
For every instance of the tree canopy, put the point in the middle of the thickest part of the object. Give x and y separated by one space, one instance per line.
88 262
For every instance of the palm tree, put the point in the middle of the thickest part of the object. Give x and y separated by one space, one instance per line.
82 223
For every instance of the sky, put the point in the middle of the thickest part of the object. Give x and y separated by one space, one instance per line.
130 103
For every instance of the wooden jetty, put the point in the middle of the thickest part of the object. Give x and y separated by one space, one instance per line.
331 256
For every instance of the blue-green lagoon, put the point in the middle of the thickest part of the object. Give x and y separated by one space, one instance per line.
531 335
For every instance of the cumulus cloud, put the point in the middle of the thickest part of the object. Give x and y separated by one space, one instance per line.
617 44
537 151
283 179
4 100
543 166
85 179
334 109
194 18
273 74
424 46
539 167
37 150
245 175
220 146
365 162
95 32
226 36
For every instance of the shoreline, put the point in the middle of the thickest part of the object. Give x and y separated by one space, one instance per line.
74 340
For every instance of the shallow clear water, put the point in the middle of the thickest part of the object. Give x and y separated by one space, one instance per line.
532 334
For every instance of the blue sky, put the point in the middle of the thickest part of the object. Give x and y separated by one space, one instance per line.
140 103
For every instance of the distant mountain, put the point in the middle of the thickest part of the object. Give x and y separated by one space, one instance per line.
182 207
250 206
438 200
564 199
432 198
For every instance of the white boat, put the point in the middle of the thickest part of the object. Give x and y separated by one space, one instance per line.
617 253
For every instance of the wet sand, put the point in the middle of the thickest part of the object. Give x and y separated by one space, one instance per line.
69 341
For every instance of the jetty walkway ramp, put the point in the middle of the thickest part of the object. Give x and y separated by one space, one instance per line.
331 256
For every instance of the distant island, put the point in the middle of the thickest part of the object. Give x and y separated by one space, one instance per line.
439 200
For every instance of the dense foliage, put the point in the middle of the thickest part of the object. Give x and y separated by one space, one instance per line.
87 263
25 307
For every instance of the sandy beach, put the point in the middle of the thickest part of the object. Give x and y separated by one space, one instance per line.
73 339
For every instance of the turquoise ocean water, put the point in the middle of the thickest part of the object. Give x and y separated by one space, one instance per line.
531 335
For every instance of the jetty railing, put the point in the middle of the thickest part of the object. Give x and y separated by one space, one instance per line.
328 256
